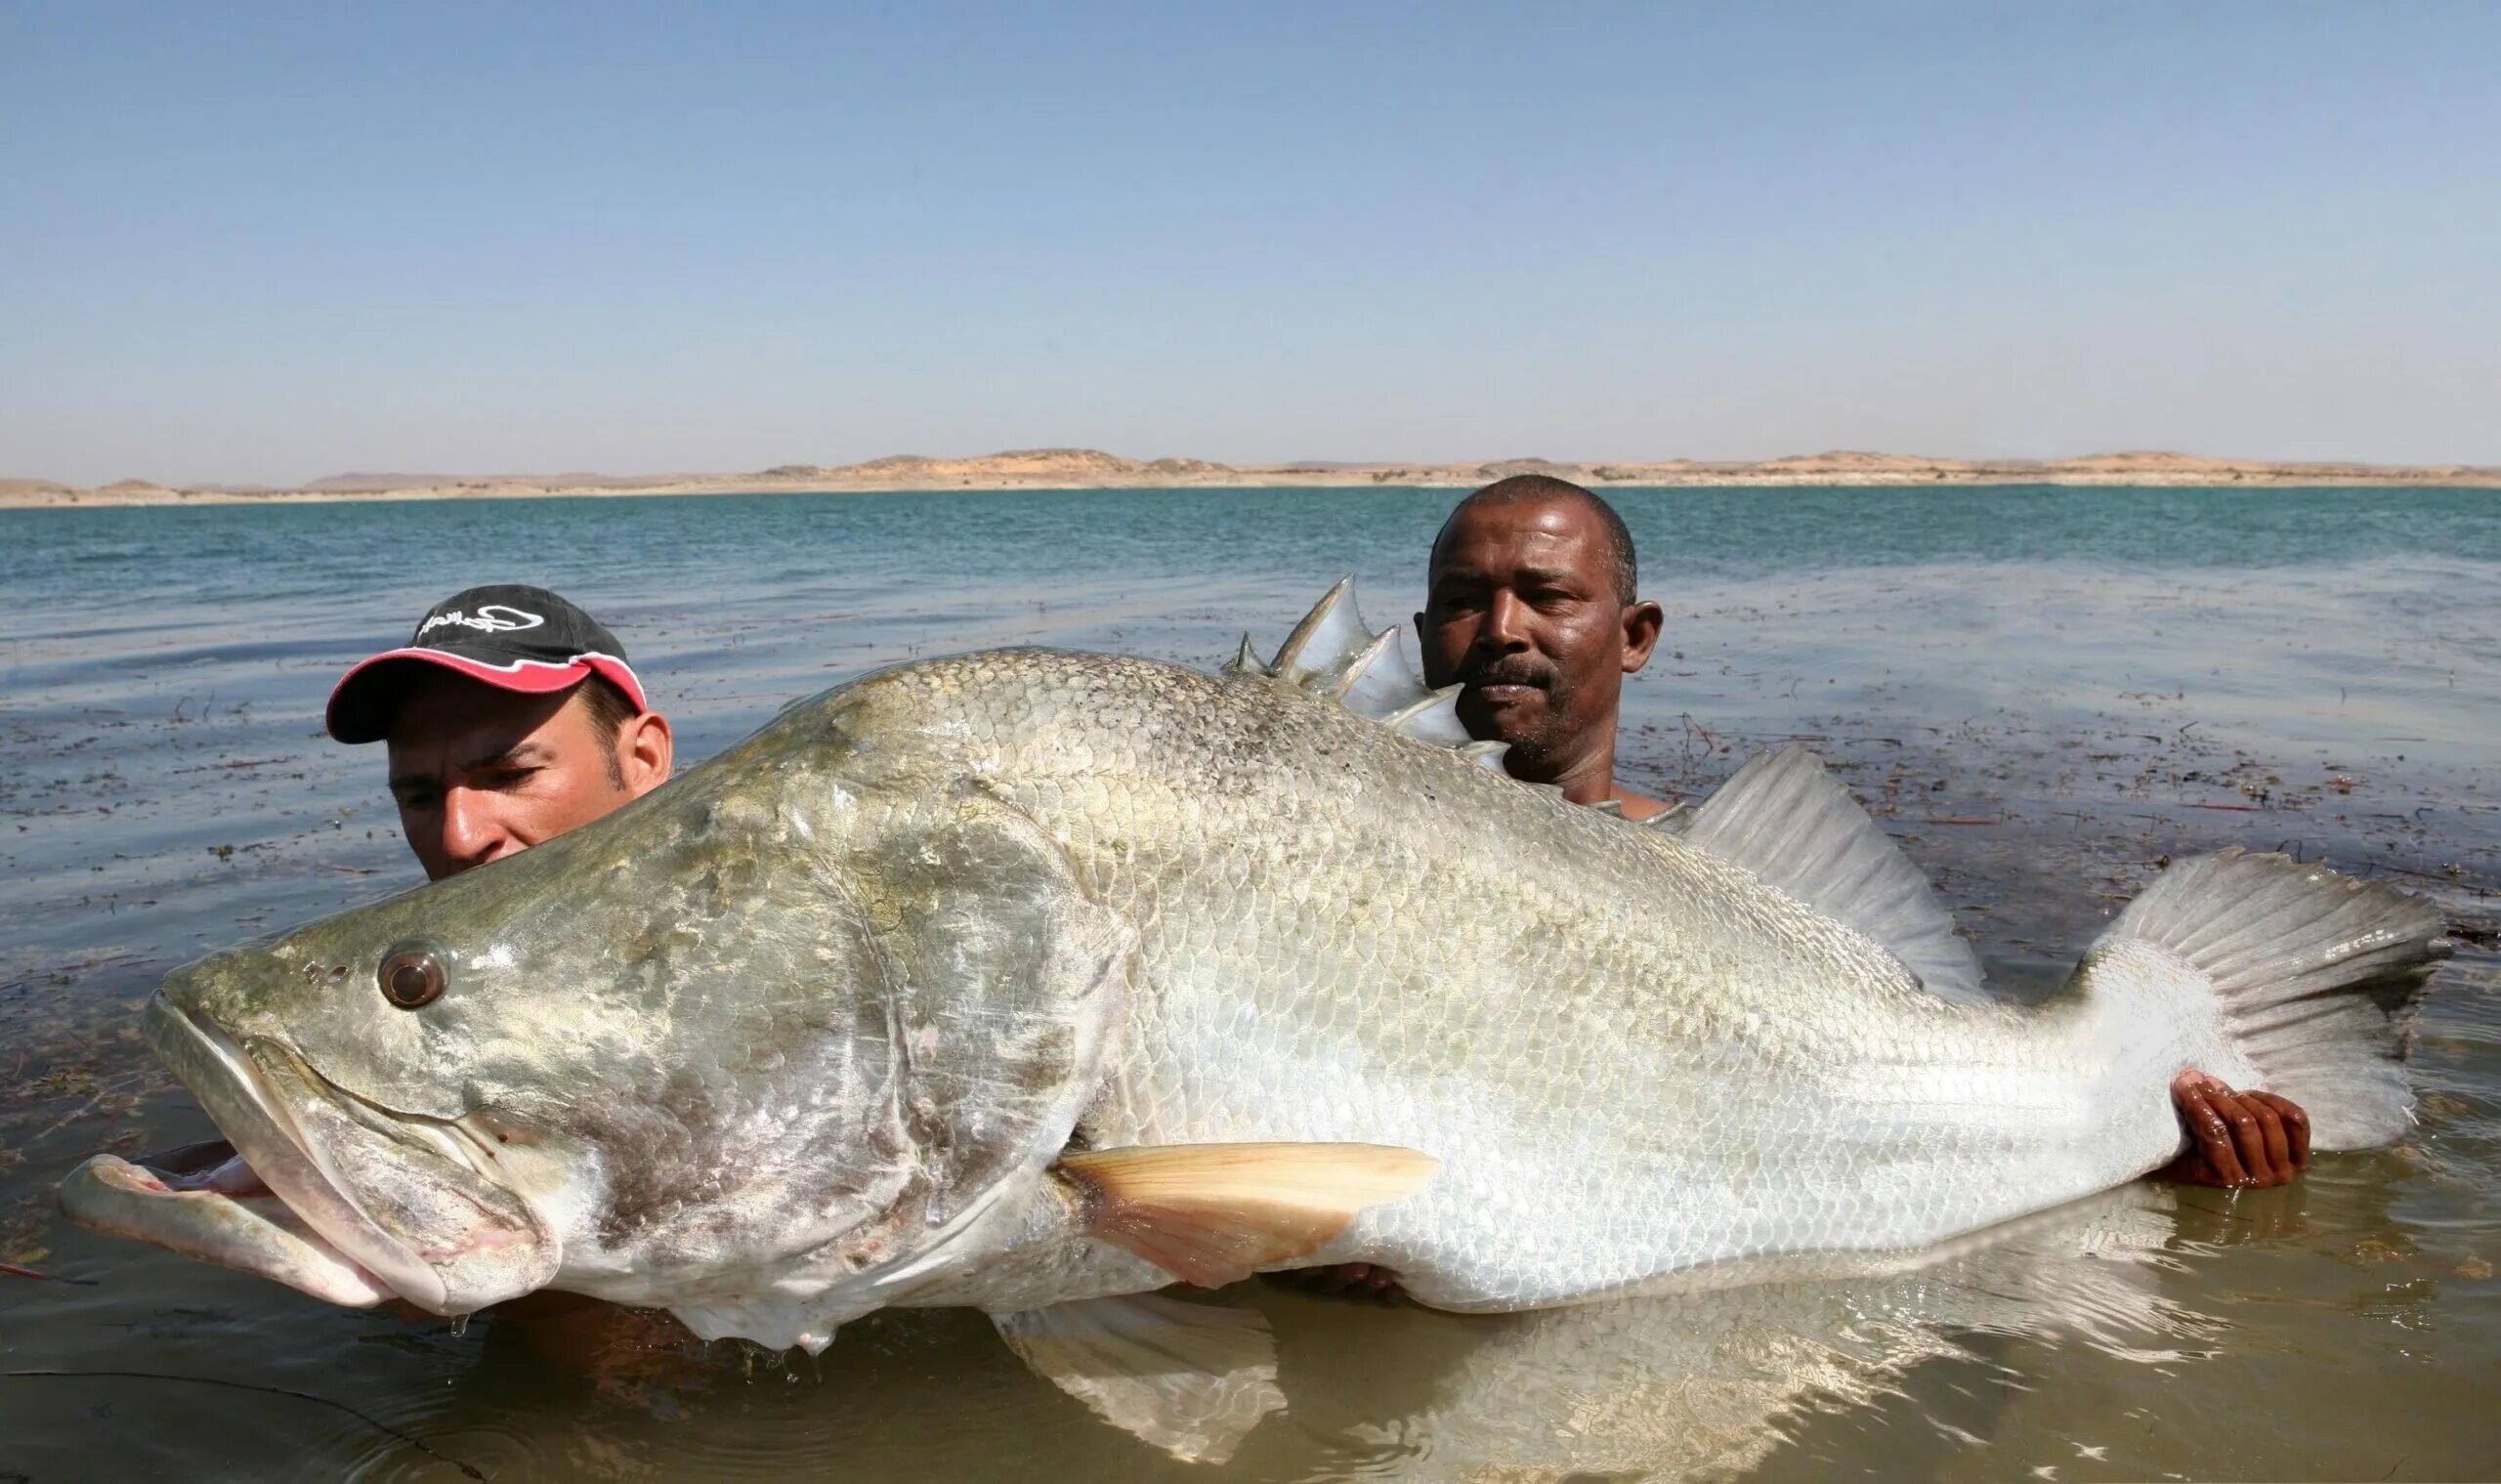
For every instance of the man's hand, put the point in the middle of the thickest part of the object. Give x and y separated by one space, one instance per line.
1363 1282
2242 1140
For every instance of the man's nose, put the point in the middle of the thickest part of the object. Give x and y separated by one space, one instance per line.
1506 624
472 829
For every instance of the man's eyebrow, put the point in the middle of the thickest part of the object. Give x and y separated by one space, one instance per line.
523 751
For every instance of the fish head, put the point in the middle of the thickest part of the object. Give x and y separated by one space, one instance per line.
759 1018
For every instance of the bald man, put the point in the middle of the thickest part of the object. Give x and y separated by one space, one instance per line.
1531 604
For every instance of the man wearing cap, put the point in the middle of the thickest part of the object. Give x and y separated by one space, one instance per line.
511 716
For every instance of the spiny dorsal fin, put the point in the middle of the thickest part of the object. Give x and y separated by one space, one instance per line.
1485 754
1676 820
1790 823
1332 655
1359 681
1215 1214
1245 661
1329 636
1433 719
1378 683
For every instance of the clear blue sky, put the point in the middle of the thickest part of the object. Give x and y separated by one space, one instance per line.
272 243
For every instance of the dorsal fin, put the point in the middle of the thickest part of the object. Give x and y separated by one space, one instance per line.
1433 719
1332 655
1790 823
1376 673
1327 638
1245 661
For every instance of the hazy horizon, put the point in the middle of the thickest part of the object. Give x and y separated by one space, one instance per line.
281 245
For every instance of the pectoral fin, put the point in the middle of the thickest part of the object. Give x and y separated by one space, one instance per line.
1215 1214
1190 1379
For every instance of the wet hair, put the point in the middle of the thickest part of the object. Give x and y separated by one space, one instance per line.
610 710
1540 488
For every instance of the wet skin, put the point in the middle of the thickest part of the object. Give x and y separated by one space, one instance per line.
479 774
1522 610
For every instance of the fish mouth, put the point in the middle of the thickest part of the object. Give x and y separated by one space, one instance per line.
225 1216
319 1239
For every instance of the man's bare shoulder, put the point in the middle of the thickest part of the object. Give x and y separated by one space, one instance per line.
1637 807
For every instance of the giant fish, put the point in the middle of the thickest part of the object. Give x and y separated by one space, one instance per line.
1035 981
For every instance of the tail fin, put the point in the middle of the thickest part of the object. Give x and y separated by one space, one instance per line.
2318 975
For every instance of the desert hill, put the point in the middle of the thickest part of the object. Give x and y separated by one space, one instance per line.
1095 469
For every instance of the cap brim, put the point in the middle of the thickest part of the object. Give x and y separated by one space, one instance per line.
360 709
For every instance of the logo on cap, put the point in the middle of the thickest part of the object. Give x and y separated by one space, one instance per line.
492 618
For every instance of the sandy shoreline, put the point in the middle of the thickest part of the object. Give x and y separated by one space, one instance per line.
1088 469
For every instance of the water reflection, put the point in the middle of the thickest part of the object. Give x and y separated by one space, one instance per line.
1668 1387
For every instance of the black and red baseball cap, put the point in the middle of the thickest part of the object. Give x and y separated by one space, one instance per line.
505 635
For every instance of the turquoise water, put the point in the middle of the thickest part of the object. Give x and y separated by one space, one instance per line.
2044 692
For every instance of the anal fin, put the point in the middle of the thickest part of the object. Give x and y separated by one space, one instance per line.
1190 1379
1215 1214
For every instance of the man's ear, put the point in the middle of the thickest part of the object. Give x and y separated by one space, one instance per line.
1642 624
645 753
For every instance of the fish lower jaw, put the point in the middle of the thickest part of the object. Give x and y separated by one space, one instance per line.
231 1221
234 1091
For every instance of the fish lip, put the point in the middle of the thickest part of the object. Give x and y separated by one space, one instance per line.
236 1095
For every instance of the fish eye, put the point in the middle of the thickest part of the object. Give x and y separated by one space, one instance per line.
412 975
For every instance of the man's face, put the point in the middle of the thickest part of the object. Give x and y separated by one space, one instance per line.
481 774
1523 612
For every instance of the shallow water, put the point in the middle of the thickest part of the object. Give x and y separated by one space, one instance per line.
2043 692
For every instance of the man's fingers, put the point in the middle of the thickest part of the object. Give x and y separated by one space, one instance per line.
2248 1138
2215 1142
1329 1282
1342 1280
2280 1147
2265 1150
2212 1131
2296 1126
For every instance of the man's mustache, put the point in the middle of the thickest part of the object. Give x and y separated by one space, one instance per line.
1506 669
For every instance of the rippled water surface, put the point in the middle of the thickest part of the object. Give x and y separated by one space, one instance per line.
2043 693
